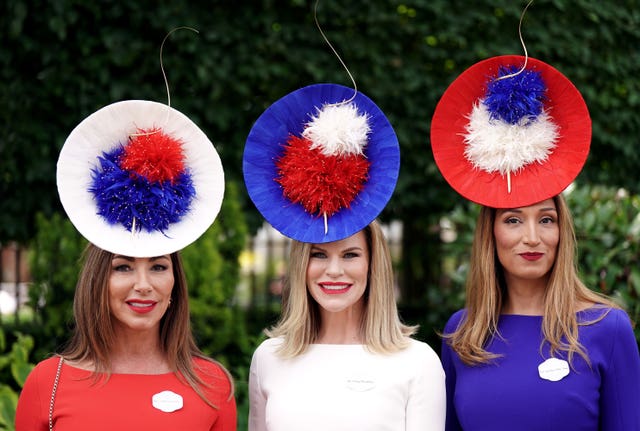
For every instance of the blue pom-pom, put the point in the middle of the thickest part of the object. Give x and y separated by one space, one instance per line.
123 196
520 96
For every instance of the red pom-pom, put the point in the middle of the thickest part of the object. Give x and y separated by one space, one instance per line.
321 184
153 155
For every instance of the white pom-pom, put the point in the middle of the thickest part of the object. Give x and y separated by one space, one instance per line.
338 130
497 146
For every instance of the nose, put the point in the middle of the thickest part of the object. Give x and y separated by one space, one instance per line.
334 267
142 282
531 235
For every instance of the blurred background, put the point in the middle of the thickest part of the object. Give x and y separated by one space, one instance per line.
61 60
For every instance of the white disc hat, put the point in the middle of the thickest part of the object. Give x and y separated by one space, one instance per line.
140 179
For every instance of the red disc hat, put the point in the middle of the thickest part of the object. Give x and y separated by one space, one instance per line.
510 131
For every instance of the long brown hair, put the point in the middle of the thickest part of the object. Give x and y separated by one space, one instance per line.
486 290
381 327
93 334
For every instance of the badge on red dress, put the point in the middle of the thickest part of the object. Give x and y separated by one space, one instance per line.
167 401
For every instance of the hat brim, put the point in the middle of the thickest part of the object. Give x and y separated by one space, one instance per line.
265 145
535 182
111 126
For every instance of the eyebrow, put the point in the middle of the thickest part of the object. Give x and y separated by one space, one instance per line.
356 248
131 259
519 210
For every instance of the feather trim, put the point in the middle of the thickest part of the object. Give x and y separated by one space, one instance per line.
338 130
517 97
133 201
497 146
153 155
322 184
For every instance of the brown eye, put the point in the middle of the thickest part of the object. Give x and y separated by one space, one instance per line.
121 268
159 268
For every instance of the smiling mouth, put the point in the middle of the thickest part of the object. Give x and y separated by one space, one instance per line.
141 306
333 288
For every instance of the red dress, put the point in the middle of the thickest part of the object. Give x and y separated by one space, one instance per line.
124 402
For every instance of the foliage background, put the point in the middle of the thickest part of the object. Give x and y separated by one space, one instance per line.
61 60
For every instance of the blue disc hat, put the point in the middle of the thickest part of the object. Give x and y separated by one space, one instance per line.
321 163
140 179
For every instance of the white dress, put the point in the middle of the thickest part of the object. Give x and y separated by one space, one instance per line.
345 387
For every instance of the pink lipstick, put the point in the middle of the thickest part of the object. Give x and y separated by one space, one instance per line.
334 288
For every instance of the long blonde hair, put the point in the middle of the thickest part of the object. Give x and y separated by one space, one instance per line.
299 323
93 334
486 289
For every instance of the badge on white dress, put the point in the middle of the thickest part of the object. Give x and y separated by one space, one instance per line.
553 369
360 383
167 401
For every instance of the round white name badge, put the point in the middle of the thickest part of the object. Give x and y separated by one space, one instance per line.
167 401
553 369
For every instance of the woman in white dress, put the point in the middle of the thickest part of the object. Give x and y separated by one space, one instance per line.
339 358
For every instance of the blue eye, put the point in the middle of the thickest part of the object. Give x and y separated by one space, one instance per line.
317 255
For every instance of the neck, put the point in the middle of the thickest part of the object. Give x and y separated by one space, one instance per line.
525 297
341 328
138 353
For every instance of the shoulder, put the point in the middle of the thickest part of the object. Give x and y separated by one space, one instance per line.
454 321
266 354
47 367
206 365
607 329
210 371
422 350
421 360
217 385
268 347
607 318
417 354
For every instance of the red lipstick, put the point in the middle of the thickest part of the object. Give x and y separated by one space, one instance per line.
531 256
141 306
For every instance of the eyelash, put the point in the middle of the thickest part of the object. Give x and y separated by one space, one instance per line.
321 255
156 267
544 220
121 268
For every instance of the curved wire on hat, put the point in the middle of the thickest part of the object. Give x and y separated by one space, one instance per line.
166 83
164 76
355 87
524 47
524 65
353 81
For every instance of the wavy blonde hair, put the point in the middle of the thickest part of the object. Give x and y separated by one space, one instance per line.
486 289
300 323
93 334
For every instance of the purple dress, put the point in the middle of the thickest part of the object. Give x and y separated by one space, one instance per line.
510 393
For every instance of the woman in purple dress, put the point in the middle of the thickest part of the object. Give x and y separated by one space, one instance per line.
534 348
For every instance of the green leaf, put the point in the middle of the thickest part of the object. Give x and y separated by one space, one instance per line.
20 371
8 403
